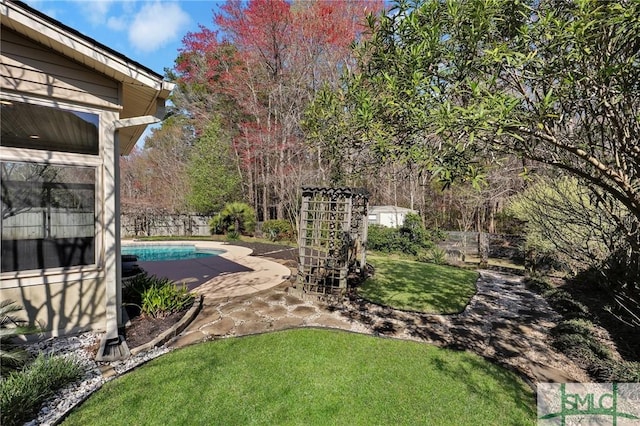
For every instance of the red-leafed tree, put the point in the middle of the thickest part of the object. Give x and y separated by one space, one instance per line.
258 73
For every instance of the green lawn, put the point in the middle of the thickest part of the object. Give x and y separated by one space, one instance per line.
418 286
311 377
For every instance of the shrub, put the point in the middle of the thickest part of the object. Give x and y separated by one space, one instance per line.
575 338
277 230
157 297
537 284
239 218
22 392
574 326
413 230
164 298
608 370
233 235
133 288
584 349
12 356
564 304
438 255
392 240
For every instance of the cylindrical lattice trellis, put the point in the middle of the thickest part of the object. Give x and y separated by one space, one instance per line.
333 231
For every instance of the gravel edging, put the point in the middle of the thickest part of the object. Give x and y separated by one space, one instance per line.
55 410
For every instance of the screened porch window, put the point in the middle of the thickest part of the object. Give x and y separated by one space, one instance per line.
48 209
48 216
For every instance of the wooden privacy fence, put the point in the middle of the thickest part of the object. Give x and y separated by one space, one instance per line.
141 224
503 246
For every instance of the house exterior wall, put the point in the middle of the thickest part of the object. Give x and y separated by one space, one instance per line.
28 67
67 300
74 305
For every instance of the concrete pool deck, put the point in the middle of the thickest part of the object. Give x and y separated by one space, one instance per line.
230 274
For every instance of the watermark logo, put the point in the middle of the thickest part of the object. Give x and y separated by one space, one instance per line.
616 404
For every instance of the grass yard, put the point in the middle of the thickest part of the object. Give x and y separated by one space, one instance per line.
310 377
418 286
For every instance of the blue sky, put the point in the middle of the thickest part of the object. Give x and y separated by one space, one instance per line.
149 32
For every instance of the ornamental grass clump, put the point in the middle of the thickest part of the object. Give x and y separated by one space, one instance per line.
22 392
26 383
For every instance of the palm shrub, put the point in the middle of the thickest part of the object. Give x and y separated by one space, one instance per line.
12 356
235 219
438 256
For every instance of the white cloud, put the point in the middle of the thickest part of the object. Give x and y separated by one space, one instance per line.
117 23
156 24
95 11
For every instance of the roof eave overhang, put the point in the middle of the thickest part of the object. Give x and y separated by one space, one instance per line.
94 55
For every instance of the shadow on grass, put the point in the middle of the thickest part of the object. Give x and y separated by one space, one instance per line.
472 376
312 376
417 286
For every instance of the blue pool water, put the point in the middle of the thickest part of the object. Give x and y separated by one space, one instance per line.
151 253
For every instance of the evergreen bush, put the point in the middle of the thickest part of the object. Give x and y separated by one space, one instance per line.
564 304
278 230
537 284
157 297
411 239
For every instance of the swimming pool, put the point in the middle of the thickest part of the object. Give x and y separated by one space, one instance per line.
163 252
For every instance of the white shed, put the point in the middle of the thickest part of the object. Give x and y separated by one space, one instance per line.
389 216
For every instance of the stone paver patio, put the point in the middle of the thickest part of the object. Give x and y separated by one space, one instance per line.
503 322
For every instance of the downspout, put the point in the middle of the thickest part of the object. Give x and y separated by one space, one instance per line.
113 346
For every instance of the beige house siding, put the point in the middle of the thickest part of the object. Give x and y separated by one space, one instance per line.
26 66
64 307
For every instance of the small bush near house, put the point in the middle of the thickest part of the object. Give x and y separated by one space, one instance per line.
164 298
22 392
277 230
157 297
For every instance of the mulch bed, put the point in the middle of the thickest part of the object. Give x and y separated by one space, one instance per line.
144 328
